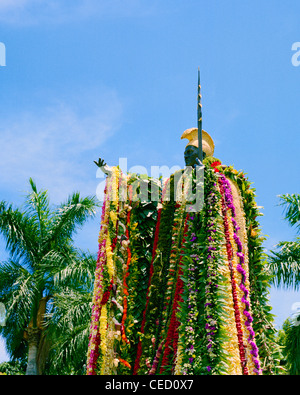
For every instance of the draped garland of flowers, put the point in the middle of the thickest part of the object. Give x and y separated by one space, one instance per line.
179 292
258 276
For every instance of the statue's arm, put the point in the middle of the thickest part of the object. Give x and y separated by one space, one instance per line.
103 166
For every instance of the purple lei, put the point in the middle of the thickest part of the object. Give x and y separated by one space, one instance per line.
241 270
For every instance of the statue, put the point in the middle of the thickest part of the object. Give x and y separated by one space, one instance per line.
179 292
191 157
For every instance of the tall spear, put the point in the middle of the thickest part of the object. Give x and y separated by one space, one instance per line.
199 113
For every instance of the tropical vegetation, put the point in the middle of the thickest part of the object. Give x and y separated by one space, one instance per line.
285 266
46 281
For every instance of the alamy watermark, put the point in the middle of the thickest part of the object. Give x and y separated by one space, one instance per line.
2 314
188 184
296 56
2 54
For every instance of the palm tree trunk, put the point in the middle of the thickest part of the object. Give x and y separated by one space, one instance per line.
33 342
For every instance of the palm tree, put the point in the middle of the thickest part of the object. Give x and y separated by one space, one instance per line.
285 267
289 339
284 263
39 240
68 323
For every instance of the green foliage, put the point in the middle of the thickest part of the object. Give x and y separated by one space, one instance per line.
15 368
291 204
69 320
284 262
142 237
158 280
289 339
143 216
39 239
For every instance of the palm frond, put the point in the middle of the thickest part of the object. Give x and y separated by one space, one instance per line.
72 307
69 217
79 271
19 231
284 264
10 271
68 354
16 346
292 345
53 261
22 298
37 207
18 295
68 267
291 205
69 329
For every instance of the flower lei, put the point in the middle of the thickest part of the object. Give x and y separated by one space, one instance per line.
213 259
125 286
151 317
188 309
204 254
98 351
175 287
226 192
139 349
233 281
94 337
131 274
259 278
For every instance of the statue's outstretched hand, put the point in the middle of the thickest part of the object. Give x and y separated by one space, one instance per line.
103 166
100 163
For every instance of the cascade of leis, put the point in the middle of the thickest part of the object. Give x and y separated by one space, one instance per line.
179 292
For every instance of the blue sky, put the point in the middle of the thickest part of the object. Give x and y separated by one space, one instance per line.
118 79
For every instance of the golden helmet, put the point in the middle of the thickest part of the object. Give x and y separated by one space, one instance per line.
208 145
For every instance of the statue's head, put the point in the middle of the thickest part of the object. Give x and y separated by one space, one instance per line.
191 150
191 154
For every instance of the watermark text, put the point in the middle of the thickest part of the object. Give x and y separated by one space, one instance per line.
187 187
296 56
2 54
